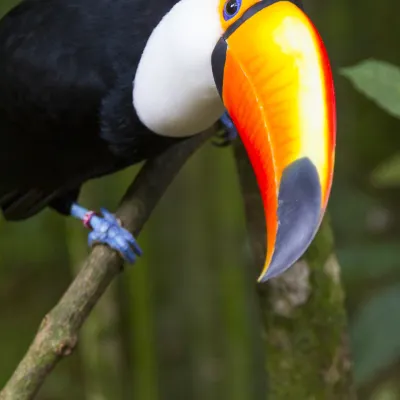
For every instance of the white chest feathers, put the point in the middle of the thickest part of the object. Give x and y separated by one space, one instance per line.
174 93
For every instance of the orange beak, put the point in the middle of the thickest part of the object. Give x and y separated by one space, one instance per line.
273 75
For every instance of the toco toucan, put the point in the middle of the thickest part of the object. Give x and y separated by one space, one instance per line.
89 87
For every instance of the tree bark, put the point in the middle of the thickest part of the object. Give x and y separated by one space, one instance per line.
304 318
58 333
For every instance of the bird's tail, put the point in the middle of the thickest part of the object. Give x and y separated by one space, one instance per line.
18 205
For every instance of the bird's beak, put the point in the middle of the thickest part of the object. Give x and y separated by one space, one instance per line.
274 78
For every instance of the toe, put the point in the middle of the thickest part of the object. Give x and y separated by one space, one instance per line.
125 249
95 237
108 216
133 243
109 231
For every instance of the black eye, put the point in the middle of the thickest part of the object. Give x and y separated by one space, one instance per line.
231 8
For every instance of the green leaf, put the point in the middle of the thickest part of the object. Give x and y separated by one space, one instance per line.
379 81
375 333
387 174
6 5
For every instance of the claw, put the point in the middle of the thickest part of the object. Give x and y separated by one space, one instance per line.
228 134
108 230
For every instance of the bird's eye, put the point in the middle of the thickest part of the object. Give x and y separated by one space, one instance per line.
231 8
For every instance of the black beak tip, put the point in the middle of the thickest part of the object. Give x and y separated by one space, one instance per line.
299 215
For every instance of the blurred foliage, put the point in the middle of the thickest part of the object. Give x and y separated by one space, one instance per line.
182 322
375 337
379 81
373 330
387 174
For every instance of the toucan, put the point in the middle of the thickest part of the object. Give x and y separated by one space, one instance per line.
89 87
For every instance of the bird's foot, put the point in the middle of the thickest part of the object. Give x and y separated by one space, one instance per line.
107 229
229 132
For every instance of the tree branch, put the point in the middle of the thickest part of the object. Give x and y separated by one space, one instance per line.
58 333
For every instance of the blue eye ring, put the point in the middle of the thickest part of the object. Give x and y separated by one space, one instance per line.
231 8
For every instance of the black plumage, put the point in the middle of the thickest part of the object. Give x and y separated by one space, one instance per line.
66 113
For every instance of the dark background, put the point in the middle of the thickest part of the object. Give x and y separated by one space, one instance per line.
180 323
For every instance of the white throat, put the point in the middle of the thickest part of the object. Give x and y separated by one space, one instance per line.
174 92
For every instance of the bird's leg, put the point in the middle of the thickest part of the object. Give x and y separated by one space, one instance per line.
229 132
107 229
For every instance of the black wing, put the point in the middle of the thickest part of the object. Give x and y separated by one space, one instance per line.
66 115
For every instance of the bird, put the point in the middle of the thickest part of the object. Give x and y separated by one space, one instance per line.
90 87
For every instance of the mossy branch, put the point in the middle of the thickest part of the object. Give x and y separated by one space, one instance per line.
58 333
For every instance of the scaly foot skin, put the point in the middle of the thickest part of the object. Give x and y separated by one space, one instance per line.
229 133
108 230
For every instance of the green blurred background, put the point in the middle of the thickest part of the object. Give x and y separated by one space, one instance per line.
182 323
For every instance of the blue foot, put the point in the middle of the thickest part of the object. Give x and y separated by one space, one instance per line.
229 133
108 230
